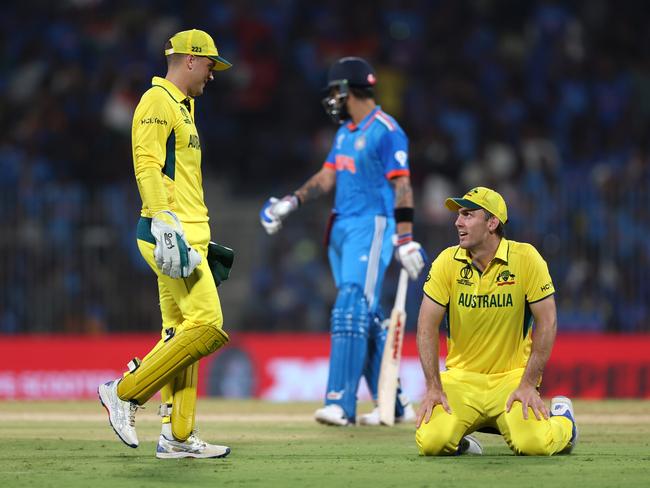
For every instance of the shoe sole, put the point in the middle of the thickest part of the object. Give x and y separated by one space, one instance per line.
101 400
398 420
181 455
327 422
469 439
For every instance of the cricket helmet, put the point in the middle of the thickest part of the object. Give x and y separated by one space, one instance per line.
348 72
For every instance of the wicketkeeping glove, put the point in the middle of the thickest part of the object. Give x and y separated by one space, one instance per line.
173 254
409 254
275 211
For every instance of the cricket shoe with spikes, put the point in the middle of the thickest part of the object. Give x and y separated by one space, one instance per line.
563 407
469 445
121 413
331 415
372 418
193 447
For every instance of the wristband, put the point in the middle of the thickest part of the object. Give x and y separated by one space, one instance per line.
404 214
403 239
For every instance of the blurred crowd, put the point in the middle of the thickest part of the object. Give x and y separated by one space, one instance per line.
546 101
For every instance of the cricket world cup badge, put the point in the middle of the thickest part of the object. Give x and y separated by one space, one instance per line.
360 143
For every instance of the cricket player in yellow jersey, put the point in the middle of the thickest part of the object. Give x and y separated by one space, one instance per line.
173 236
492 291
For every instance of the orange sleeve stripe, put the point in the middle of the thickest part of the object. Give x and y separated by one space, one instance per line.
397 172
329 165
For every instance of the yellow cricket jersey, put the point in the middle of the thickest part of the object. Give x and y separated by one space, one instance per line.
167 153
488 317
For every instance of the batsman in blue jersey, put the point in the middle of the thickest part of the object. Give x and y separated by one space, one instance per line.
373 212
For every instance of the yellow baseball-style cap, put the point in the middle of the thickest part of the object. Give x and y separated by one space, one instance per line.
198 43
481 197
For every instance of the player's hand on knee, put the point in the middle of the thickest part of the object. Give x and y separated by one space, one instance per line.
409 254
432 397
173 255
529 397
276 210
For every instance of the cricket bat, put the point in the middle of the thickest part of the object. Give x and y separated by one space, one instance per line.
389 370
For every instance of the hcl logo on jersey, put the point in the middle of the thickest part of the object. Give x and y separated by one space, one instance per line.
345 163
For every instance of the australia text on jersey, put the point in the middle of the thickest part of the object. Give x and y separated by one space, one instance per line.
485 301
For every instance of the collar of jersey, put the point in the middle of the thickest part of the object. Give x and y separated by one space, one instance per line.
501 254
172 89
351 125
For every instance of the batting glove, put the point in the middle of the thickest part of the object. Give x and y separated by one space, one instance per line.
275 211
409 254
173 254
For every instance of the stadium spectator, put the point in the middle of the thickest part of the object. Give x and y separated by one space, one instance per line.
551 96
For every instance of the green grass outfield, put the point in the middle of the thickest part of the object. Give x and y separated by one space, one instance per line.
70 444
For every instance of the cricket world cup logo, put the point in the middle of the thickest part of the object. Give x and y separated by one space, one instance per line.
466 274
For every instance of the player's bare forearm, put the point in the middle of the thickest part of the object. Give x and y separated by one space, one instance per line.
431 314
317 186
403 198
543 339
545 316
403 191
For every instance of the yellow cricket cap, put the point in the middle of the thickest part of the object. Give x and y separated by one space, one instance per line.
198 43
481 197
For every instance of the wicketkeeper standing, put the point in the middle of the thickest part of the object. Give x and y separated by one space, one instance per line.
368 164
173 236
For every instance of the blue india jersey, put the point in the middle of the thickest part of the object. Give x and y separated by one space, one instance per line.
365 157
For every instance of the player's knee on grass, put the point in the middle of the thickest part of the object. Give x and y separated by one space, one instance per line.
530 442
436 439
527 437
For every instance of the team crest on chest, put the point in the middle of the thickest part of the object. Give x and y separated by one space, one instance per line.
360 143
505 278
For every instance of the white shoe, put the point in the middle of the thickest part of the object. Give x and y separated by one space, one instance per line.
121 414
372 418
562 406
470 445
193 447
331 415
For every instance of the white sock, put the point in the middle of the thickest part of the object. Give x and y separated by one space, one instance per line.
167 431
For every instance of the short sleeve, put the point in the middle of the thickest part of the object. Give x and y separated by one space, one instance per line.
437 285
330 160
539 284
393 152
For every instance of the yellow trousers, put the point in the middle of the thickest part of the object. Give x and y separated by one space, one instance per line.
192 328
479 400
193 299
